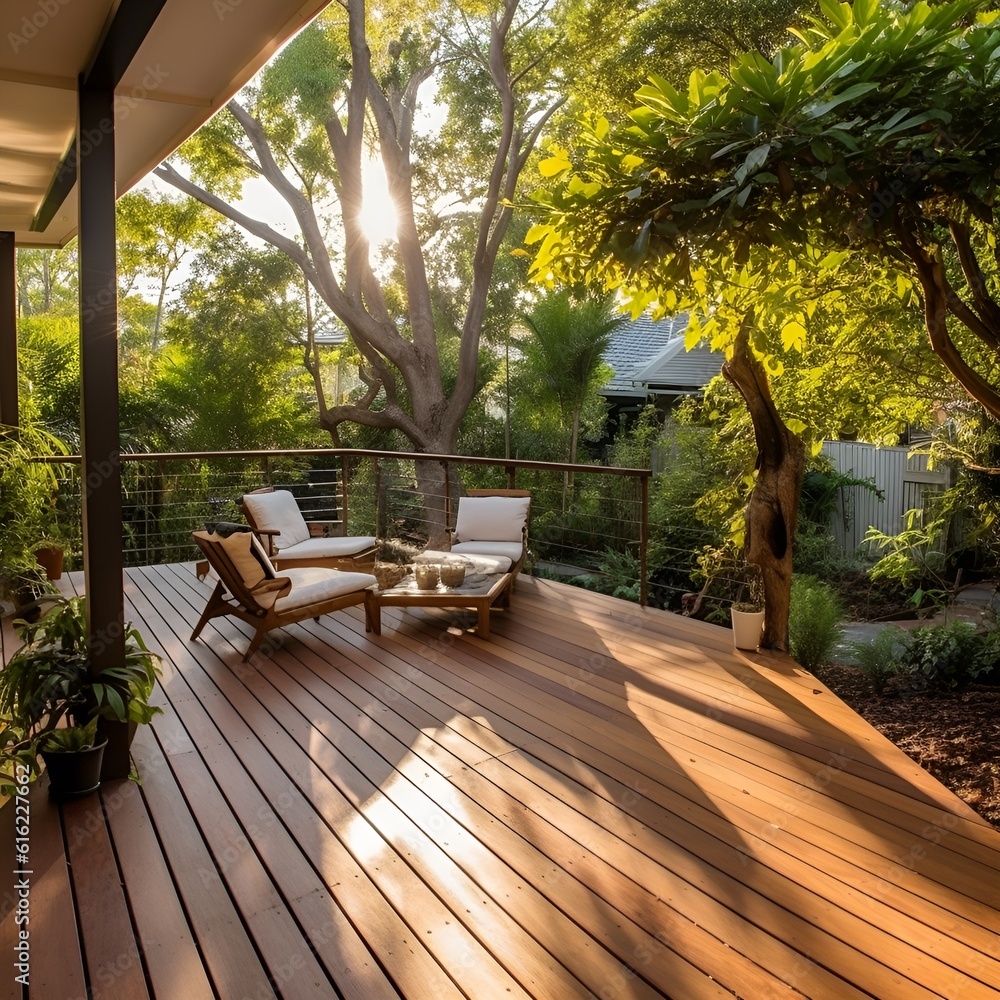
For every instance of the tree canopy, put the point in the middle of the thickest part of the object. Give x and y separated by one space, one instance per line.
344 94
767 199
873 139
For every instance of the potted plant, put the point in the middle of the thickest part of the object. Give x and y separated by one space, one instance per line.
50 703
747 614
28 492
50 553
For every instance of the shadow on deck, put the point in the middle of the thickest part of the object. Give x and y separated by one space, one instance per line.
601 800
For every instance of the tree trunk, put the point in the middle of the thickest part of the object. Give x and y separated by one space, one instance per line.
433 486
772 512
158 320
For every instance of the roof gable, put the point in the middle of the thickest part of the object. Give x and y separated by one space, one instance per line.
649 359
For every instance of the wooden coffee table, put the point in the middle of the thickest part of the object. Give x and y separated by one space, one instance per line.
479 593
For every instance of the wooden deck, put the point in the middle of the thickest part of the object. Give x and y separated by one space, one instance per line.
598 801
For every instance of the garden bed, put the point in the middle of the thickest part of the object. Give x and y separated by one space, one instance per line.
955 735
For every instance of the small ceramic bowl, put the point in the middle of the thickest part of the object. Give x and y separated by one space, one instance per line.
453 574
426 575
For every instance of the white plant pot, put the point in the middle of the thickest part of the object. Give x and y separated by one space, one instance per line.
747 627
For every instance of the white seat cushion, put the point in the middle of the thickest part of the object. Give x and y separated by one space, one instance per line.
491 519
278 511
313 584
510 550
336 547
475 561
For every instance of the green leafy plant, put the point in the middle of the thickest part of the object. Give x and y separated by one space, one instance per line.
27 504
914 558
945 657
814 621
47 683
879 659
69 740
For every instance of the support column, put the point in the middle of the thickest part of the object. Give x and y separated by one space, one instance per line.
103 559
8 330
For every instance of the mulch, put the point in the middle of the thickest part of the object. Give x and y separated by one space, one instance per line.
955 735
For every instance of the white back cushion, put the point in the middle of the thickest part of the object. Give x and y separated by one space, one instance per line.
248 558
278 511
491 519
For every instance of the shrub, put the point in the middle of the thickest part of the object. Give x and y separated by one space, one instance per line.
878 659
813 621
946 657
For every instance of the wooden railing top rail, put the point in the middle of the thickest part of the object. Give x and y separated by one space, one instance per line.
340 453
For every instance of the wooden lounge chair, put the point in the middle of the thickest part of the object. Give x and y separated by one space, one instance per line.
291 541
494 523
251 590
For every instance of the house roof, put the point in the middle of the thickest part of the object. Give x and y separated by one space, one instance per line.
196 55
632 346
675 371
649 359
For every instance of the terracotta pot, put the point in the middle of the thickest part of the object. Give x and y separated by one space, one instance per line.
50 559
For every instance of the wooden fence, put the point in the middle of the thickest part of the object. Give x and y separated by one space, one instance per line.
904 479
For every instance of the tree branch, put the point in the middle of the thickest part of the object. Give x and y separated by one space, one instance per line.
986 305
930 271
165 171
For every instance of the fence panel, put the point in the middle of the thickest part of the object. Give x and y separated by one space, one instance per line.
902 477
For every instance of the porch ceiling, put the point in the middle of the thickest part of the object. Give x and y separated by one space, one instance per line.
195 57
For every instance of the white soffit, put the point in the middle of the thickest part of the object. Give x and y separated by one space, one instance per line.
196 56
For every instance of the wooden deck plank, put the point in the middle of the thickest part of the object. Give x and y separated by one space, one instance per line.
781 673
754 696
600 800
57 968
600 974
507 938
696 871
763 824
420 974
167 944
736 728
55 963
447 819
231 961
717 734
109 944
452 759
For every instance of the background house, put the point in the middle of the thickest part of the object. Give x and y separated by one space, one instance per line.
651 364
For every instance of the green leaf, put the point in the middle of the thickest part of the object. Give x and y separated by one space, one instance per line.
755 159
838 13
793 336
553 165
821 150
852 93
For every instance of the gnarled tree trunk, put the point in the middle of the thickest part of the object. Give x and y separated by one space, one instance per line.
772 512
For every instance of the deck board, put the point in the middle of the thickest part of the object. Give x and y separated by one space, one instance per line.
598 801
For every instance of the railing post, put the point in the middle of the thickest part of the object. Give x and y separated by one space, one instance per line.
511 477
266 470
380 512
447 495
344 468
643 540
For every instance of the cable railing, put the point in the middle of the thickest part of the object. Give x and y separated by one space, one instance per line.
589 523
